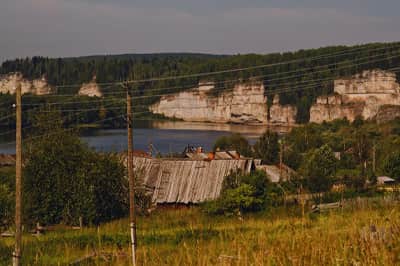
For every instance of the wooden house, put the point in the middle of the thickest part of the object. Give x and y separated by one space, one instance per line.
194 179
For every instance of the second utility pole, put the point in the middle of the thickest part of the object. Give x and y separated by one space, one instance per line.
18 179
131 176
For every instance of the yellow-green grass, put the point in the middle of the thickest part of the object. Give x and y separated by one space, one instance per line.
360 235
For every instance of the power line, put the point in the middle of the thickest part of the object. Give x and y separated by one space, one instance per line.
266 80
308 85
80 111
7 116
66 103
234 70
263 80
272 92
66 129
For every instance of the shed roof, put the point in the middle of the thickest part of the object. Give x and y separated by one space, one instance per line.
384 179
196 155
7 160
186 180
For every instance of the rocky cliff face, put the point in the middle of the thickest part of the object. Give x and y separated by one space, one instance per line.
90 89
245 104
37 86
282 114
367 95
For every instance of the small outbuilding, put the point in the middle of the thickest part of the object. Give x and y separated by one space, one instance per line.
194 179
385 180
7 160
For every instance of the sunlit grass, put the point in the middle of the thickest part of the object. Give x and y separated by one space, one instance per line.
363 235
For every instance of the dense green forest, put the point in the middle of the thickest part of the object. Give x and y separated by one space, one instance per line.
299 77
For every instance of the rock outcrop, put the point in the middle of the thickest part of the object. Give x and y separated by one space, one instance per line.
37 86
366 95
90 89
282 114
387 113
245 103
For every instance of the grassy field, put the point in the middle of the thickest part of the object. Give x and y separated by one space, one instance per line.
366 233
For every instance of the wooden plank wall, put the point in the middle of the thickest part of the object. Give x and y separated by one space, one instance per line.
184 180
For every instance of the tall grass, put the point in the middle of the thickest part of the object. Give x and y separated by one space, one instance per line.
360 234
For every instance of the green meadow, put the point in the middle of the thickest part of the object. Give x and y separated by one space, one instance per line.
360 233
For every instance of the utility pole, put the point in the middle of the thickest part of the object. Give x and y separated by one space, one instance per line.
374 158
18 178
280 160
132 213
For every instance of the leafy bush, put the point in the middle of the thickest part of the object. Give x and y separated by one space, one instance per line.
5 253
244 193
6 206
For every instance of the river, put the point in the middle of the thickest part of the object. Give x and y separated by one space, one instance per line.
165 136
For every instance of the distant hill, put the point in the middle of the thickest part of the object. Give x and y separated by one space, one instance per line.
146 56
288 72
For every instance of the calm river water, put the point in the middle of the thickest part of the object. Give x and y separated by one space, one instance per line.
165 136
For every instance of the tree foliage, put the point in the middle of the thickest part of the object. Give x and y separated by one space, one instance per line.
319 169
300 70
234 142
65 180
391 165
6 206
243 193
267 148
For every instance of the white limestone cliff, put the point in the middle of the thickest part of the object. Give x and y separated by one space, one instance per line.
37 86
245 103
90 89
365 95
282 114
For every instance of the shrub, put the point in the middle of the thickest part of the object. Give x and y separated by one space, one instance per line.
6 206
243 193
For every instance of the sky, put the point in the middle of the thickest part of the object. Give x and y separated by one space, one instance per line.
64 28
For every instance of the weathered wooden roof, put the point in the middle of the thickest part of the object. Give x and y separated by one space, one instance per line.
7 160
196 156
185 180
384 179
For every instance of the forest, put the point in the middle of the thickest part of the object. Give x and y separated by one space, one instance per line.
299 77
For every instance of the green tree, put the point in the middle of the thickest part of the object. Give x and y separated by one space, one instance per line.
114 68
267 147
391 165
234 142
65 180
6 206
362 147
319 168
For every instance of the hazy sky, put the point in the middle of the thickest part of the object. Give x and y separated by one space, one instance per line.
84 27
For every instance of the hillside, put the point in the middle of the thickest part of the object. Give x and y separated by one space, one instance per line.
299 78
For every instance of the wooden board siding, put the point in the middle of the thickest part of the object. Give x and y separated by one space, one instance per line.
184 180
